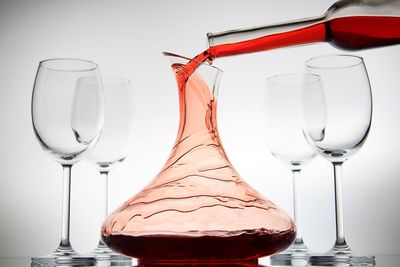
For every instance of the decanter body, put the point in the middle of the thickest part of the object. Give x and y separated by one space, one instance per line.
198 208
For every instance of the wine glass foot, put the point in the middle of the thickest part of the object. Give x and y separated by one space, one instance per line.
107 257
341 257
63 258
295 255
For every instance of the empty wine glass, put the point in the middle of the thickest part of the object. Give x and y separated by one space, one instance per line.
287 143
336 122
67 117
112 149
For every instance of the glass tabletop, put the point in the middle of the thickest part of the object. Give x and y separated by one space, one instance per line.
381 261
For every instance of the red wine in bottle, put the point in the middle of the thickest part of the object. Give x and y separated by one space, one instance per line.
355 33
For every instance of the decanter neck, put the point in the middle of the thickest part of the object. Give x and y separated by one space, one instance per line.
198 104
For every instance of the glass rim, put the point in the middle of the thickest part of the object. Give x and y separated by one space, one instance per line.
191 59
357 60
90 64
310 78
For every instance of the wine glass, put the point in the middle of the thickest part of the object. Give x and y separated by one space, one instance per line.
67 117
112 149
336 122
287 143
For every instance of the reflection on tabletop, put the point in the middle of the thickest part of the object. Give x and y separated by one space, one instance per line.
220 264
381 261
156 264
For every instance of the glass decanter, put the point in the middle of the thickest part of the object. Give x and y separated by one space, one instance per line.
198 208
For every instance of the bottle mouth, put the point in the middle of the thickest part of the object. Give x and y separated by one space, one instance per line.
210 39
185 60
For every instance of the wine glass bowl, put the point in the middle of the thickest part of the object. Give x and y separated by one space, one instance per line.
337 119
66 115
284 134
113 145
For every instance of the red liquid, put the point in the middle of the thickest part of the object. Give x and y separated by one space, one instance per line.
163 248
347 33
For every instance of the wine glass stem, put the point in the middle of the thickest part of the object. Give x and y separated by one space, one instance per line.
66 205
104 194
337 170
296 207
104 198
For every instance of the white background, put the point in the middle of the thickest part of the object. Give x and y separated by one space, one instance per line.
126 38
